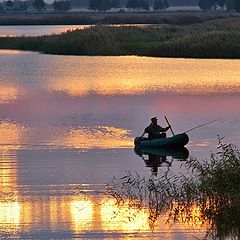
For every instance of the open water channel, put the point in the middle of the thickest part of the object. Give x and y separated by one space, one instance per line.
67 126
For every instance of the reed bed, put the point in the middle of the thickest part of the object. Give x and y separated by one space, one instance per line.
214 39
208 195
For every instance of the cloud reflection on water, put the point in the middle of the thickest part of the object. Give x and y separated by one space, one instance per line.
73 121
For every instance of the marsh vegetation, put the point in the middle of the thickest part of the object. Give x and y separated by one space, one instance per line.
207 194
213 39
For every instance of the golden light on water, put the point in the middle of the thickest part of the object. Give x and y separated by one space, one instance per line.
8 94
98 137
15 136
191 217
9 206
119 86
11 135
8 175
9 213
27 210
123 218
10 216
138 75
81 214
6 51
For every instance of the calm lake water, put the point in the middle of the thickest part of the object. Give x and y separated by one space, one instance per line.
67 126
37 30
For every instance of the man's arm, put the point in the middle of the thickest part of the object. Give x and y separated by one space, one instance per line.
167 128
145 131
161 129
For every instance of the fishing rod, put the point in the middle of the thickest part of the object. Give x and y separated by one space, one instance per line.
215 120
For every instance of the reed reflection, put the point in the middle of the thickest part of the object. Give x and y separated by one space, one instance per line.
122 218
207 197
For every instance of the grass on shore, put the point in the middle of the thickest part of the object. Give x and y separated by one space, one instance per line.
213 39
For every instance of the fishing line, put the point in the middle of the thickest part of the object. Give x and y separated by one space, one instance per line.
218 119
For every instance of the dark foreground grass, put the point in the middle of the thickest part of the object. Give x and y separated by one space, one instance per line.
209 195
213 39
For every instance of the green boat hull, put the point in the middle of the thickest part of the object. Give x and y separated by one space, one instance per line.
176 141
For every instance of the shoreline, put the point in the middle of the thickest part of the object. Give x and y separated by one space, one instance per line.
209 40
89 18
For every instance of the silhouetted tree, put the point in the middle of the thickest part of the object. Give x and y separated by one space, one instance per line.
103 5
62 5
138 4
39 5
160 4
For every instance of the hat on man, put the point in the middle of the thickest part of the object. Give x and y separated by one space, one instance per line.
153 119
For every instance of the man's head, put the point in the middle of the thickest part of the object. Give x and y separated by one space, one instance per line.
154 120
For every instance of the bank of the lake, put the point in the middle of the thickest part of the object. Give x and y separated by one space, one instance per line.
183 17
213 39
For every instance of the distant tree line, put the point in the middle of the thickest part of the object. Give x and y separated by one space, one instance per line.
103 5
37 5
229 5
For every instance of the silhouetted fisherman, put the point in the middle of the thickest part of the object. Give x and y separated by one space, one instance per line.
154 130
153 161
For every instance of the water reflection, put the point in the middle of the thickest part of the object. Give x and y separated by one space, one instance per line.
9 205
123 218
82 214
15 136
99 137
72 122
207 197
160 157
9 213
8 94
39 30
11 135
77 216
108 76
